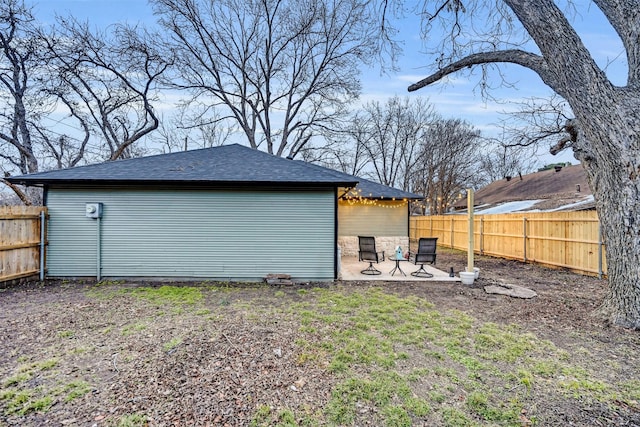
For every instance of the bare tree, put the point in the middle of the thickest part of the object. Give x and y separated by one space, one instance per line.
500 159
389 135
346 149
107 80
604 132
281 70
185 131
538 121
70 95
448 163
17 59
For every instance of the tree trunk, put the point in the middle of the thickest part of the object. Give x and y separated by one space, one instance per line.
605 136
608 142
608 146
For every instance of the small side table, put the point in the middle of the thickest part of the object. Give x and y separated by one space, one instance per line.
397 267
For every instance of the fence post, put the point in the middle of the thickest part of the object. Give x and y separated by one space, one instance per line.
452 246
470 233
481 235
599 251
524 237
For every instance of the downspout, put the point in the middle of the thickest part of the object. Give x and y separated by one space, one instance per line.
336 250
43 234
42 243
98 251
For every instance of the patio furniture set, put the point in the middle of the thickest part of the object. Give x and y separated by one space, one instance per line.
426 253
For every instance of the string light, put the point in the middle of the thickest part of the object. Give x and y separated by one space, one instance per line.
355 197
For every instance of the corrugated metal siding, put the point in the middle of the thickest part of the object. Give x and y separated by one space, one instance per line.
381 219
222 234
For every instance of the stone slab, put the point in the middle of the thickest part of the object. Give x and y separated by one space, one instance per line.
514 291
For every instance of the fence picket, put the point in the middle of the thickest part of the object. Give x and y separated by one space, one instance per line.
562 239
20 241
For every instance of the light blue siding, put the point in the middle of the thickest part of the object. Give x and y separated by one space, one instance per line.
217 234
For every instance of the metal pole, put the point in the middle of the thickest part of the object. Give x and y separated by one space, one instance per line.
98 254
470 248
42 243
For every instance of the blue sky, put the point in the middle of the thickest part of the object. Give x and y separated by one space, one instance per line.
457 98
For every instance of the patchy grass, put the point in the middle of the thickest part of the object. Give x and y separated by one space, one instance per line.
330 355
130 420
174 296
173 343
135 328
65 334
75 389
491 368
169 295
34 388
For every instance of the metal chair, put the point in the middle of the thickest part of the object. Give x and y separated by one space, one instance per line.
426 254
367 252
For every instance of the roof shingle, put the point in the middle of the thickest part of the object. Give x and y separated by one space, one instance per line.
229 164
225 165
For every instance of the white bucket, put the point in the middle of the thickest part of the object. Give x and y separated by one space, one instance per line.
467 277
476 271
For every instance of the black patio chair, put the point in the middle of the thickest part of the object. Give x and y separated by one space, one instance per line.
426 254
367 252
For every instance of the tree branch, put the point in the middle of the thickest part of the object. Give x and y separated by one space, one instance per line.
623 17
529 60
21 194
571 128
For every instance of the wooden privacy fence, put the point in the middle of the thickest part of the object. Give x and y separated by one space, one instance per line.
563 239
22 241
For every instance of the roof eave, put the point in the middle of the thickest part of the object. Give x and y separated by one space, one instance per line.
381 197
196 183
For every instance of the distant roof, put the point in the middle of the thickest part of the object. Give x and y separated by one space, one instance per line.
565 188
229 164
537 185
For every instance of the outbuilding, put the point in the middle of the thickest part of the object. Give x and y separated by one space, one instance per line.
222 213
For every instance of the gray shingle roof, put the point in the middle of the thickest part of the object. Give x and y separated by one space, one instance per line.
226 165
555 188
370 189
229 164
374 190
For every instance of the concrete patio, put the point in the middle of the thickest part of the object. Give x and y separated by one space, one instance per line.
351 270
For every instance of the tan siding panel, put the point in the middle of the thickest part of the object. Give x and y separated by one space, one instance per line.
382 219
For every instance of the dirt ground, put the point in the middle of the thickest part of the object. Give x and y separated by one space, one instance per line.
123 357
